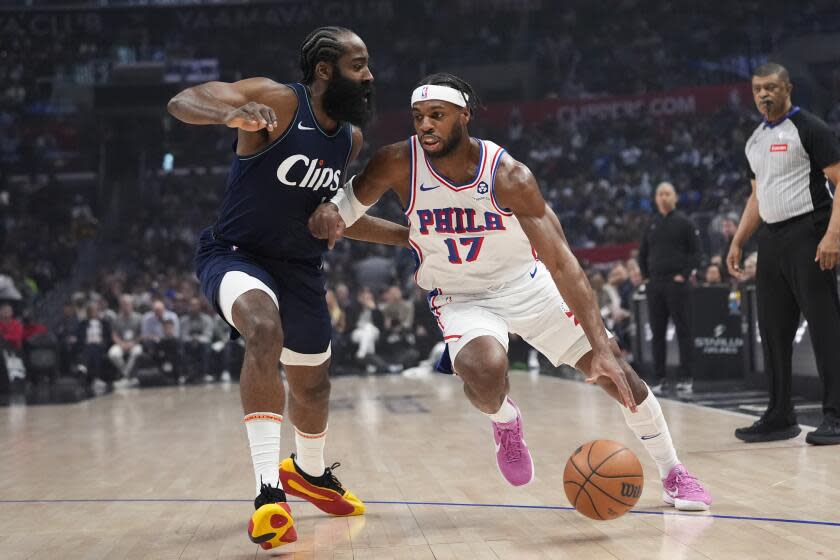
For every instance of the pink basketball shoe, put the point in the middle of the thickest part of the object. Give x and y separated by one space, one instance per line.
684 491
512 454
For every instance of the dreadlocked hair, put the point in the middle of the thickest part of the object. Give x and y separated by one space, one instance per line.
320 45
454 82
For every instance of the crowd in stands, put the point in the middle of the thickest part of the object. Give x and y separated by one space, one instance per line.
663 46
142 317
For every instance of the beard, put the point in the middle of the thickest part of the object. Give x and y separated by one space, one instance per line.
449 145
348 100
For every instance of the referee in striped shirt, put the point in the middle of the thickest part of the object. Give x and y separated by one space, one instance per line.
792 155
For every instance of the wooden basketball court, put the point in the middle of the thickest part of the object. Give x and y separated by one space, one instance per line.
166 474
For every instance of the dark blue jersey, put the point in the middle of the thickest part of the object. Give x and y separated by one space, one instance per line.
271 194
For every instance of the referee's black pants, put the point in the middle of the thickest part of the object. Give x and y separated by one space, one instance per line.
788 281
669 298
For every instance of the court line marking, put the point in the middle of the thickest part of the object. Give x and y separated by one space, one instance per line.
441 504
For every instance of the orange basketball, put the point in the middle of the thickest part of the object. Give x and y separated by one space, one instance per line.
603 479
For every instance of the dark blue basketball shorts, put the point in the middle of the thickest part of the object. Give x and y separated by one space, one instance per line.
297 286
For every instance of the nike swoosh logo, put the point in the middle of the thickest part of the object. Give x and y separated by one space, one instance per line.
301 127
651 437
425 188
534 273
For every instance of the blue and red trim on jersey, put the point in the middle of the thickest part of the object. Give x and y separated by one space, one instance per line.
479 171
412 190
418 254
497 158
436 309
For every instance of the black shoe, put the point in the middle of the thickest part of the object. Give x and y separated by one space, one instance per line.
767 429
269 495
827 434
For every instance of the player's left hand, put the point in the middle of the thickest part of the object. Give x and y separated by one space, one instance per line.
326 223
828 251
604 364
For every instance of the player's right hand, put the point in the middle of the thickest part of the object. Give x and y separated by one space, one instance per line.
604 364
252 117
733 261
326 223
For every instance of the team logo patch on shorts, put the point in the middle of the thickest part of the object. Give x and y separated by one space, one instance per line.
779 148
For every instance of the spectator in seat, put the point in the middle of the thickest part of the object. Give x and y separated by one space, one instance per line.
151 328
367 326
634 273
619 278
397 338
713 276
67 332
8 289
196 336
126 347
11 330
165 352
93 336
608 299
30 326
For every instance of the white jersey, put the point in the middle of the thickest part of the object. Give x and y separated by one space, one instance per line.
463 240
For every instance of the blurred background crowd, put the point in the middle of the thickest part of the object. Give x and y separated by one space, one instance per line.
102 194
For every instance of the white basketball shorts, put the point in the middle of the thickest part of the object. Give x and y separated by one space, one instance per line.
530 307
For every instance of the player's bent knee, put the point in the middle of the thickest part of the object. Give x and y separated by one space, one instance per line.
312 394
264 334
487 377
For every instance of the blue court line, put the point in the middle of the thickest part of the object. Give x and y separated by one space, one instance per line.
443 504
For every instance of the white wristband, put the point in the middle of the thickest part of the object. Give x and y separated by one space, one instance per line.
349 207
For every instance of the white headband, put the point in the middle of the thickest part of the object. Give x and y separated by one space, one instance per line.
441 93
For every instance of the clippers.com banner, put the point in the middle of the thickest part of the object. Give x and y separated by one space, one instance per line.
686 101
674 103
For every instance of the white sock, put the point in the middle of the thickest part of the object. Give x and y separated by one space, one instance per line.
264 436
507 413
650 427
310 452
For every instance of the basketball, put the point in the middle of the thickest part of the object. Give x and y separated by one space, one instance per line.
603 479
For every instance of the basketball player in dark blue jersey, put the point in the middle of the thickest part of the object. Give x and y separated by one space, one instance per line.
261 268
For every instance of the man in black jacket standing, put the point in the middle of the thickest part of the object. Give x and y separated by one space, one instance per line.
668 256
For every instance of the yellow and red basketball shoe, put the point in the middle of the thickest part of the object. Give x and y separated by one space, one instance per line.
324 492
272 524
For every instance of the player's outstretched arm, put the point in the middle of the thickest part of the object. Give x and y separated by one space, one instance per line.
345 213
377 230
517 189
251 104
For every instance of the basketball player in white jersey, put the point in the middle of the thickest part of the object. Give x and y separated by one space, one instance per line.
477 222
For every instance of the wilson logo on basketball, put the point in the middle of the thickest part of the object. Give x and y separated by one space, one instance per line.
630 490
778 148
